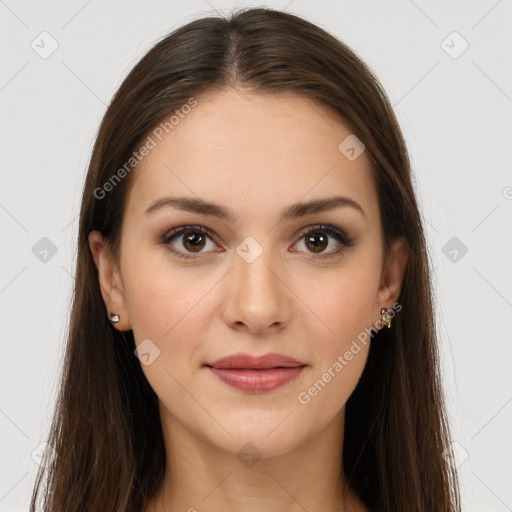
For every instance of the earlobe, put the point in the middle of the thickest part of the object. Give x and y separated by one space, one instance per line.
109 280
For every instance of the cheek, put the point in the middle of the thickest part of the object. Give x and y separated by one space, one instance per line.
341 331
340 308
341 357
344 353
327 392
160 298
167 309
171 308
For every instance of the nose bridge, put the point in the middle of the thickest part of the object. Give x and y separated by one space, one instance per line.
258 296
253 269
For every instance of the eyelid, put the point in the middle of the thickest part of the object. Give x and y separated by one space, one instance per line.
328 228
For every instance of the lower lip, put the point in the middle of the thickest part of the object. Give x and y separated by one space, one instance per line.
257 381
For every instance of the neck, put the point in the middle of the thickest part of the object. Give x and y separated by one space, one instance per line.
203 477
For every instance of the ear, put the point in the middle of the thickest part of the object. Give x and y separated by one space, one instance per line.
110 282
392 275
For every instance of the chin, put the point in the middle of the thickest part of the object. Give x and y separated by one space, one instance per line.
267 435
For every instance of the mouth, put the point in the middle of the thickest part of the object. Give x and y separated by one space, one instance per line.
253 374
256 380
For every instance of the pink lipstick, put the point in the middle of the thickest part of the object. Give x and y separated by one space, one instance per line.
256 374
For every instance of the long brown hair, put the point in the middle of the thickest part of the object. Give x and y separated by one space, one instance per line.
106 432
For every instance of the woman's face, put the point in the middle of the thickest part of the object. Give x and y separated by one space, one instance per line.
261 279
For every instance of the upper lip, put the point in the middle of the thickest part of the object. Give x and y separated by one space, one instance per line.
248 361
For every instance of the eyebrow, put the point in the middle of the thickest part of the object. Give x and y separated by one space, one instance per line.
295 211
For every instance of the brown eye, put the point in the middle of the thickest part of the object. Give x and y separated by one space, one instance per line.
193 241
187 241
318 239
317 242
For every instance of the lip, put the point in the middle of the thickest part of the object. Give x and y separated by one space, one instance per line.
256 374
243 360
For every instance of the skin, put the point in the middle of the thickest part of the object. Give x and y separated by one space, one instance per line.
255 154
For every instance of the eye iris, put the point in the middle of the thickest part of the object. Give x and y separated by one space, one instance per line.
317 247
192 238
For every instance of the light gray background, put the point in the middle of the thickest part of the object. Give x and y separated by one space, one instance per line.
455 112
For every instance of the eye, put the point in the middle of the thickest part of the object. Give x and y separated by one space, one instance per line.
193 239
317 239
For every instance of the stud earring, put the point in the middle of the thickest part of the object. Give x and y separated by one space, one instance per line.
113 318
386 318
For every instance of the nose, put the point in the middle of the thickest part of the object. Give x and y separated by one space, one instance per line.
257 297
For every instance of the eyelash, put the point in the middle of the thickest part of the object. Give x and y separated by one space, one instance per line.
331 231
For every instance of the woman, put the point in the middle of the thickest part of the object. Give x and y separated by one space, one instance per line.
252 325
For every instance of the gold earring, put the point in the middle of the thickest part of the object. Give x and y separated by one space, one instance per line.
386 318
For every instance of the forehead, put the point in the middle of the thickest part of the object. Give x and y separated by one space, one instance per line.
238 149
